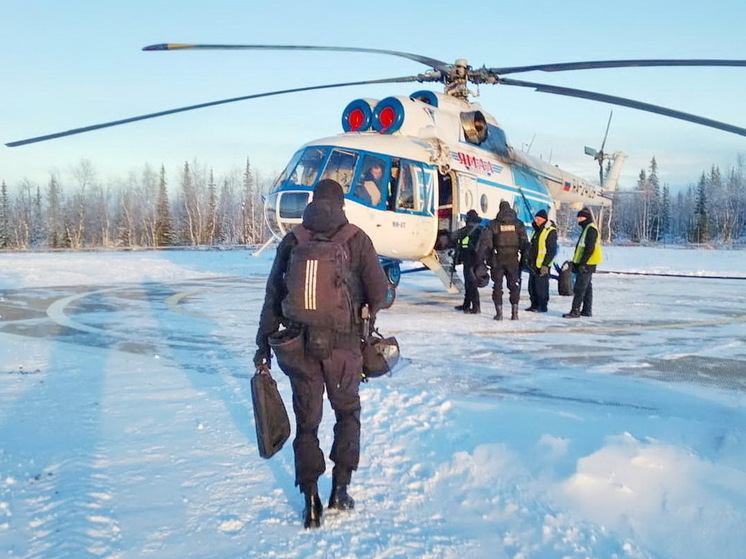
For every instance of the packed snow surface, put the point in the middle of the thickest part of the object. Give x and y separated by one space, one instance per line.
127 431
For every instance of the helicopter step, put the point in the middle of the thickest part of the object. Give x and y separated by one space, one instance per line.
447 273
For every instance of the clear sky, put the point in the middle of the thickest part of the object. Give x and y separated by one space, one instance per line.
79 62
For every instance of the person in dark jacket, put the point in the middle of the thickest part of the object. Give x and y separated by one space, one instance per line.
340 371
541 254
587 255
503 245
466 240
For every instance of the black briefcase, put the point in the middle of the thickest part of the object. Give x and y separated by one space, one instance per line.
270 415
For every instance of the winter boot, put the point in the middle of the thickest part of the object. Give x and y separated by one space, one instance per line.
313 511
574 313
498 313
340 499
475 308
461 307
514 312
532 308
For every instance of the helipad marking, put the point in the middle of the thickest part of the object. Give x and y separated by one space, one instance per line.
610 329
56 312
172 302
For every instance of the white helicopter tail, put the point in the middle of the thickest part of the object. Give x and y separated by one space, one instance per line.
612 178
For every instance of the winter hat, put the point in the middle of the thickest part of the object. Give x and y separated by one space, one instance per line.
472 217
585 213
331 190
542 214
504 205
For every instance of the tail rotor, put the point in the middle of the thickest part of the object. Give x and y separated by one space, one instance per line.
600 155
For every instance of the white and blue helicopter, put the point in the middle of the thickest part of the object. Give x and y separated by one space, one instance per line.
413 166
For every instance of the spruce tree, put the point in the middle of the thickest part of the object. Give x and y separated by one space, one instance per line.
700 234
164 233
665 212
4 217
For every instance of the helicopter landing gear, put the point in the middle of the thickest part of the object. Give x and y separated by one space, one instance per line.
390 297
393 273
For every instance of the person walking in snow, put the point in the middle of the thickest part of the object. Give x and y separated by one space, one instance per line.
320 266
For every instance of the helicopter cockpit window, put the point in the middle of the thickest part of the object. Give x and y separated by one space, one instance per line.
370 185
340 167
415 189
303 169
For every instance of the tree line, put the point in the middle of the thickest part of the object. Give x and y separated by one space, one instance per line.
140 210
202 210
711 211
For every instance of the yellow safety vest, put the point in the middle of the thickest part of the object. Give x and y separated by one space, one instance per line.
596 256
542 245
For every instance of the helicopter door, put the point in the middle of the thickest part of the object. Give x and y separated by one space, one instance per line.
466 197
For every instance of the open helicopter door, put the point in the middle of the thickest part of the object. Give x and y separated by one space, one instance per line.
465 196
457 195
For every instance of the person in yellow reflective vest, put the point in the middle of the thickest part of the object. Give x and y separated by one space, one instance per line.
587 256
541 254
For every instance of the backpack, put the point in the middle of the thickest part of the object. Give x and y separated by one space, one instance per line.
318 280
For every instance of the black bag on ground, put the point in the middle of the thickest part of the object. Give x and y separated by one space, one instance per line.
380 354
270 415
564 279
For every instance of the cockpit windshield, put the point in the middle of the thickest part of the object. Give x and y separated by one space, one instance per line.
303 169
375 180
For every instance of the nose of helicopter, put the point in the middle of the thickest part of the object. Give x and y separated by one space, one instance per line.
284 209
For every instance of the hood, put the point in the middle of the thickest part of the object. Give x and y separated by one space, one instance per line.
506 213
323 216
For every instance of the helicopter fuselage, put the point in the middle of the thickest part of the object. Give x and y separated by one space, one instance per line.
411 168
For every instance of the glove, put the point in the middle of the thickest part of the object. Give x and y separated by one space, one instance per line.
262 359
544 271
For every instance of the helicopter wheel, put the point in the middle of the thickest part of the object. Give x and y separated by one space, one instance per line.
390 297
393 273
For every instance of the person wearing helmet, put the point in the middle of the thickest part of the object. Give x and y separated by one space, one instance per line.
466 240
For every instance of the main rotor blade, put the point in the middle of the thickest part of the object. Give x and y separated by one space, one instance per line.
592 65
201 106
569 92
432 62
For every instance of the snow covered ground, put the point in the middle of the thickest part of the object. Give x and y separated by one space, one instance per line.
126 427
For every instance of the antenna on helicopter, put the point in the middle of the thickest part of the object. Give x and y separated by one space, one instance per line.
600 155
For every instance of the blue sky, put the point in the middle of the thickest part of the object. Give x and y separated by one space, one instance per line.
76 63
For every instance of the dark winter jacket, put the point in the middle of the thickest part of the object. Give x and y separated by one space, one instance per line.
368 283
466 240
504 240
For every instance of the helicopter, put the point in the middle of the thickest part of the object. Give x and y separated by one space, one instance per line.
412 166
